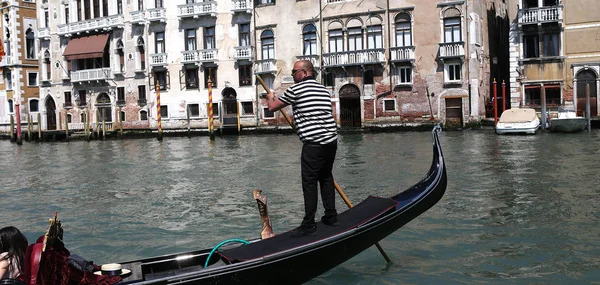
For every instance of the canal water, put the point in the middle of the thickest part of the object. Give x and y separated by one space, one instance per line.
518 209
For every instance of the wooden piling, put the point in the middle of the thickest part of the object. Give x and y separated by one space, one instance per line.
588 114
12 129
211 124
28 128
39 123
160 132
544 116
66 127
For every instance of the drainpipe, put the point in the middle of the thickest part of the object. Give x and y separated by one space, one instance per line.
258 109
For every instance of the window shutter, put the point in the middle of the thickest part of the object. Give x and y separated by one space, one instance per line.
182 79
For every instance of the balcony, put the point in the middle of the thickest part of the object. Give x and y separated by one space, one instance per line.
44 33
266 66
242 53
92 25
157 14
400 54
138 17
158 59
195 10
7 60
359 57
452 50
193 56
68 105
241 6
91 74
540 15
314 59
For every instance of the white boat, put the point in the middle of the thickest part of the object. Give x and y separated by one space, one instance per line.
518 121
568 122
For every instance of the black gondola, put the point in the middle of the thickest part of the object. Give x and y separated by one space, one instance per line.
293 260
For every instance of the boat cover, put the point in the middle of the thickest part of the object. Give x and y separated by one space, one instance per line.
356 216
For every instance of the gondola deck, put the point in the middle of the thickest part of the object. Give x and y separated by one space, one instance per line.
358 215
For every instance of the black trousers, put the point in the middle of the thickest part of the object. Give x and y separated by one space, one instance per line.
316 165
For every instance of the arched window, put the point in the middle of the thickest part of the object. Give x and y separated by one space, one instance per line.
143 115
374 33
141 53
336 37
267 40
30 43
309 38
452 26
119 50
355 35
34 106
403 30
11 108
47 66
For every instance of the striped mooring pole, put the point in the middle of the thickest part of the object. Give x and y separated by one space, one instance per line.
160 133
211 124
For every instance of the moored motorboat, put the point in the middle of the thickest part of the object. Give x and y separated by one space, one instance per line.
281 259
567 122
518 121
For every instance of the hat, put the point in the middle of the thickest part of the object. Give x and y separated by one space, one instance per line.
112 269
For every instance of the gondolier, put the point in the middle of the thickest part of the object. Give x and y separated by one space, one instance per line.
317 129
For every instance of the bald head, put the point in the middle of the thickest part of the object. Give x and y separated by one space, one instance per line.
306 65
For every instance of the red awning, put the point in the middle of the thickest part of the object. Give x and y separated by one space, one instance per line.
86 47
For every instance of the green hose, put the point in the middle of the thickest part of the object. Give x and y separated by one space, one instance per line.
223 243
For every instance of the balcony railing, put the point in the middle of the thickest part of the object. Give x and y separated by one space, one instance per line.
244 52
196 10
241 6
266 66
44 33
353 57
91 74
158 59
540 15
157 14
314 59
105 23
402 53
456 49
205 55
138 17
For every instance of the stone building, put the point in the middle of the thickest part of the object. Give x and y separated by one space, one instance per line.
19 67
381 59
108 61
554 54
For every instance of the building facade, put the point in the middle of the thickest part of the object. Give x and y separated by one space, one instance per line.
555 54
19 78
114 62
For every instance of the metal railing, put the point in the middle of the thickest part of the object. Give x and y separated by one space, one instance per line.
354 57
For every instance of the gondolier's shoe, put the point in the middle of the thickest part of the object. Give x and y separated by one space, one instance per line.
331 221
303 231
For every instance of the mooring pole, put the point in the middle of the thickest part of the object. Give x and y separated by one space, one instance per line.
66 126
503 97
588 114
39 121
28 128
494 84
12 129
211 126
160 133
19 139
543 111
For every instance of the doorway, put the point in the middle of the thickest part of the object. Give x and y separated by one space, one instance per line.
583 79
50 113
350 116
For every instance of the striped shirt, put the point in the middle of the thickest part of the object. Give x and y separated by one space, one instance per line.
311 103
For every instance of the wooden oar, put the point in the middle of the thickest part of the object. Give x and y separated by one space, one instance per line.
337 187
